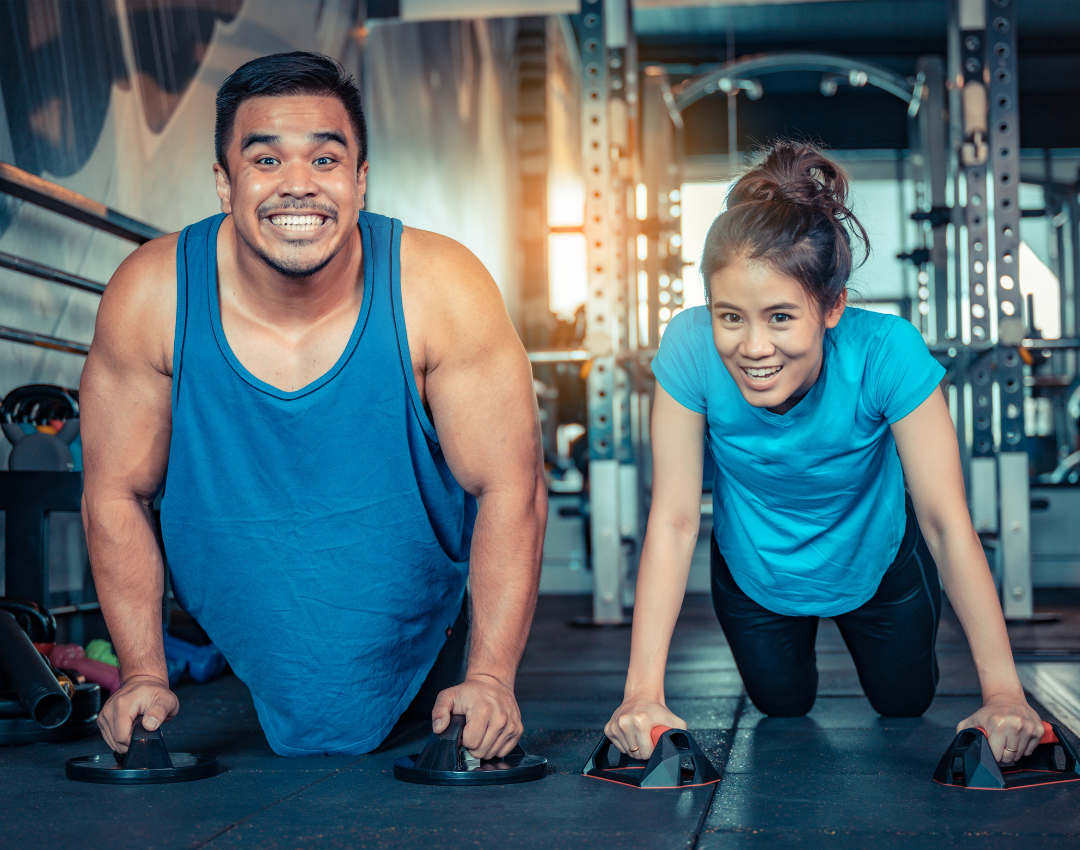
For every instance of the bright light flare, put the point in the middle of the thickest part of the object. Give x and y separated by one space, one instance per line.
641 201
566 201
568 266
643 308
1037 280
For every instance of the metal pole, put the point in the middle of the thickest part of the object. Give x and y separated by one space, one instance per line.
972 295
1004 140
603 64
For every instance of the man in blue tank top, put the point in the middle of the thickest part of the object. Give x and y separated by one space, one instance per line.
339 417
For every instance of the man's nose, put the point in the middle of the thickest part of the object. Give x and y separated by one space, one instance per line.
297 181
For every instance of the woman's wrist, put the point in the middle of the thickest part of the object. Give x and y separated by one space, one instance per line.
1004 693
643 691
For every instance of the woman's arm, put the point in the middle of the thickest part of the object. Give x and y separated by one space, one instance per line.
678 439
926 441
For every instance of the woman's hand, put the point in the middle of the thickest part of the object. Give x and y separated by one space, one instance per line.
630 727
1012 726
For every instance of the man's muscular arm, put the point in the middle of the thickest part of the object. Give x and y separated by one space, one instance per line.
478 386
125 424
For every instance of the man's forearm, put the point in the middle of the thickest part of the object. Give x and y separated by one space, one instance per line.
504 577
129 575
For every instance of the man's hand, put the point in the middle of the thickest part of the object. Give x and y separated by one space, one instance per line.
492 718
1012 726
145 696
630 727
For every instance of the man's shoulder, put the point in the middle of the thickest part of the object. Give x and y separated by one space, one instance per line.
441 271
139 303
451 302
149 264
422 247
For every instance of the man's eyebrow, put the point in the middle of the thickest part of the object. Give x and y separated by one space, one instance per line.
258 139
329 136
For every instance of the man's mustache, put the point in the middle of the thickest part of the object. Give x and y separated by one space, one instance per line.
295 207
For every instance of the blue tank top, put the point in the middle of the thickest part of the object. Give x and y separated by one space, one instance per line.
318 536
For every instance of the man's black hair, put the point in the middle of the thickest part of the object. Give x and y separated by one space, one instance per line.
281 75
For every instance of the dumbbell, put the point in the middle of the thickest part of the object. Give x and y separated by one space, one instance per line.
102 650
204 662
72 657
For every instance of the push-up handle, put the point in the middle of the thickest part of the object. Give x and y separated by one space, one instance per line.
1049 737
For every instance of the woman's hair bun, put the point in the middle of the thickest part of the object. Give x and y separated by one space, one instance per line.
795 173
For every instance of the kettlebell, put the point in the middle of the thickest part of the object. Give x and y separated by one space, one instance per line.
41 452
37 451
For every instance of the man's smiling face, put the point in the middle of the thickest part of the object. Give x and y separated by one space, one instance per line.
293 187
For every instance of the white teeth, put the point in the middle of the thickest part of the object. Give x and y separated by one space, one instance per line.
763 373
297 222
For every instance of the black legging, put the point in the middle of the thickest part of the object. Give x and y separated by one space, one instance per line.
891 638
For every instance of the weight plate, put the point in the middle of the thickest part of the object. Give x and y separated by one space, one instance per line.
105 771
493 772
23 730
11 705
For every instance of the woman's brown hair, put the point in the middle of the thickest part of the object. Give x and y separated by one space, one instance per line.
791 212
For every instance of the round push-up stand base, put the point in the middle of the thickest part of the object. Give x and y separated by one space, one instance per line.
146 762
444 762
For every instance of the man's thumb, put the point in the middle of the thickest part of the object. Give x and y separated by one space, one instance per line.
440 714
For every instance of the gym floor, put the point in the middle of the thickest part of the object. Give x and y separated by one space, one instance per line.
840 775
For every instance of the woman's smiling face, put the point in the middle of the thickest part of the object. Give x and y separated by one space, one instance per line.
768 333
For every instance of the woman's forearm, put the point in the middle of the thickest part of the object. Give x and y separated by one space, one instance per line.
661 585
969 585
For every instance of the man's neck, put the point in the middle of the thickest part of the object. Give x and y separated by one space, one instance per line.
269 297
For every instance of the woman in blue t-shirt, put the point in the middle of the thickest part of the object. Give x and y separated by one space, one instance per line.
817 415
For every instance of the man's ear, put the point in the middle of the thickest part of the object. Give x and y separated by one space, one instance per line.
224 188
361 182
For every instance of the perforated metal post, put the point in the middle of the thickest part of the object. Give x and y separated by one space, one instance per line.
623 109
974 321
983 40
1013 475
603 62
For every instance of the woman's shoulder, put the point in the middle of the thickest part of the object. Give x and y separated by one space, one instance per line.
867 329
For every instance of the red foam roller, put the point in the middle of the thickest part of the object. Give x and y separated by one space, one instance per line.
73 657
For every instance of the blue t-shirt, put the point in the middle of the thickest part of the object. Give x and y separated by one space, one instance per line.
808 506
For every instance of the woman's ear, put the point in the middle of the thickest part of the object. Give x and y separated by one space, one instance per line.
832 318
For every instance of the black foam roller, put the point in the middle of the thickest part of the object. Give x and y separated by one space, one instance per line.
26 673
